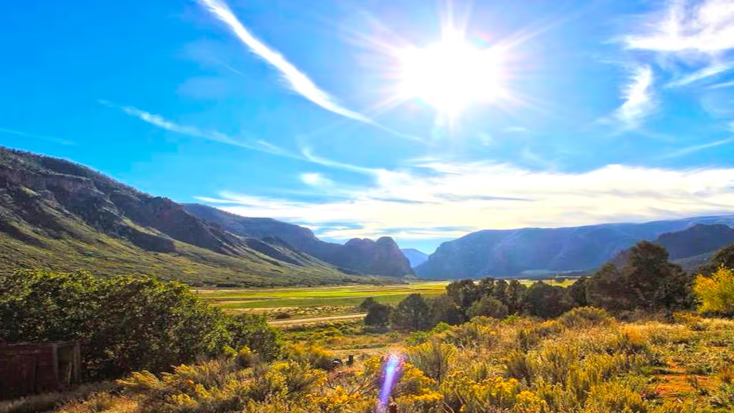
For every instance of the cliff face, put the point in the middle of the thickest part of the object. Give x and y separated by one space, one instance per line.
363 256
60 215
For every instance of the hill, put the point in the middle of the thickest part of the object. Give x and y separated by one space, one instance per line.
415 257
363 256
692 247
512 253
59 215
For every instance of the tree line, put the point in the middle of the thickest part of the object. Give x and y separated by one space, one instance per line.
646 282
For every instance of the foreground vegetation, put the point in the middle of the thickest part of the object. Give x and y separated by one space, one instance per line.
585 361
626 339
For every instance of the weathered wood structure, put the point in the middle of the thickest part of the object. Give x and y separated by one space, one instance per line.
28 368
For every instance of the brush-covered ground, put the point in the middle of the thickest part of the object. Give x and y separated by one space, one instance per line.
584 361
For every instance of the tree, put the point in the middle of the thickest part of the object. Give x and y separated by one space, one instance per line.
577 292
464 293
412 314
654 282
543 300
607 289
648 281
715 293
367 303
515 296
490 307
445 310
378 315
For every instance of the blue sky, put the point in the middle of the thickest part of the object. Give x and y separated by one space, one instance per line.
602 111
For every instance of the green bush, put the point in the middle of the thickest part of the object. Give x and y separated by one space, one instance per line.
124 323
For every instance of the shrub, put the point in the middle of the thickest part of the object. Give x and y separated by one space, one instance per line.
585 317
310 354
433 358
716 293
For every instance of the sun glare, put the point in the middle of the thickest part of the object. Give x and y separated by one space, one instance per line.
450 75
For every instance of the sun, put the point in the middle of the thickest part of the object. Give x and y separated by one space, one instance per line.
450 75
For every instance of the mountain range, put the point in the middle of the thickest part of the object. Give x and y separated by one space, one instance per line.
59 215
543 251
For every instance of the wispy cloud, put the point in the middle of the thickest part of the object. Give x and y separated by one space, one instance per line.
688 42
311 157
705 73
639 101
722 85
439 200
297 80
696 148
35 136
163 123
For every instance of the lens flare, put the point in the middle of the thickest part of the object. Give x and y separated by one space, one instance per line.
390 372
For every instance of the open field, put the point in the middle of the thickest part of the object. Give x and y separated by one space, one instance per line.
330 300
341 296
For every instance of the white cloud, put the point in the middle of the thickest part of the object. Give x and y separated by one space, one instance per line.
315 179
297 80
687 27
639 101
439 200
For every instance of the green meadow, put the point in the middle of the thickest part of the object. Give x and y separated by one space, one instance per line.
329 296
341 296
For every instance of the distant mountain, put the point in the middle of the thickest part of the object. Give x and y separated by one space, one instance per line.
362 256
509 253
691 247
696 240
60 215
415 257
